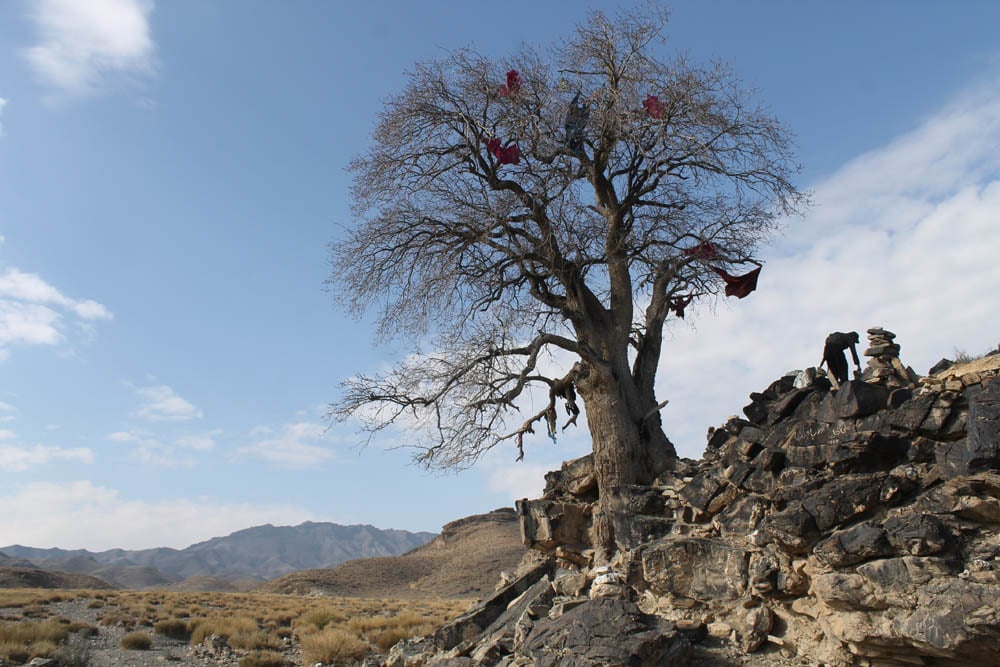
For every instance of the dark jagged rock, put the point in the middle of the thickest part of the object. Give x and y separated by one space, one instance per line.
471 624
606 631
942 365
696 568
861 527
859 399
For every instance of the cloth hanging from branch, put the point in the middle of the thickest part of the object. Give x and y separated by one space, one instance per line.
739 286
653 107
576 123
504 155
677 306
513 84
704 250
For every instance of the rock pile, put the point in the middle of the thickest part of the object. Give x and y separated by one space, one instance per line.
860 527
884 367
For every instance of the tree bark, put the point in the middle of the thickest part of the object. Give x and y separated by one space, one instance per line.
630 449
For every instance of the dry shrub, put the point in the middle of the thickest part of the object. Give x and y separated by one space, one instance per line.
82 628
201 628
331 646
254 641
115 618
386 639
263 659
239 632
95 604
320 618
14 651
29 632
173 628
137 641
34 611
42 649
20 597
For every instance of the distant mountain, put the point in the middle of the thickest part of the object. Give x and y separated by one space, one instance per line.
7 561
259 553
464 561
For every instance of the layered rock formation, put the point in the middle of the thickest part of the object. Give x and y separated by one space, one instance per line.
860 527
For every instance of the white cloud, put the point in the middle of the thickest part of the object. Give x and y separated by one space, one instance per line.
151 449
7 407
519 480
3 103
15 458
29 315
163 404
81 514
84 44
7 434
28 323
202 442
902 237
298 444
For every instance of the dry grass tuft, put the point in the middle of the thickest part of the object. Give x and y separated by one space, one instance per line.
263 659
332 646
173 628
137 641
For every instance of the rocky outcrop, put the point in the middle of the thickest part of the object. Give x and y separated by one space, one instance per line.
853 527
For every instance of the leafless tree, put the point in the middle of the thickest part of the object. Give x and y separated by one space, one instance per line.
553 209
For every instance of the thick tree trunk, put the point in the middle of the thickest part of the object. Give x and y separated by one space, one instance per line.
629 449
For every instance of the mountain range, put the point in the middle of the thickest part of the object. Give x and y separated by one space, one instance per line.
255 554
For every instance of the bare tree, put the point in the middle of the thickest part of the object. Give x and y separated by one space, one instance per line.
553 209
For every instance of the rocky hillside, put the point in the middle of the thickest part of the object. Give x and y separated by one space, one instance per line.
258 553
856 527
31 577
465 561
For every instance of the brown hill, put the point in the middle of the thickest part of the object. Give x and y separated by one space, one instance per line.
205 583
29 577
464 561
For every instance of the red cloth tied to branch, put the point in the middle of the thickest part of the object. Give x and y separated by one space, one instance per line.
704 250
653 106
739 286
513 84
504 155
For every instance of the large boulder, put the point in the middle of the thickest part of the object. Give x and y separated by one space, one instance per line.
606 631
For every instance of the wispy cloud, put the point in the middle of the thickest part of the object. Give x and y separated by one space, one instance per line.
18 458
83 45
162 404
201 442
298 444
155 450
902 237
3 103
82 514
33 312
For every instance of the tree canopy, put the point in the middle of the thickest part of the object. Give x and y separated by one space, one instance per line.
535 221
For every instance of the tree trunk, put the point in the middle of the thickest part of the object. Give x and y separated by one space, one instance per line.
629 449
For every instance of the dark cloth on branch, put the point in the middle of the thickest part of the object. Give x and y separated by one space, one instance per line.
704 250
576 124
678 305
739 286
833 353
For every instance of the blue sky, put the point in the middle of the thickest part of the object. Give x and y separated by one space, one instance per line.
172 173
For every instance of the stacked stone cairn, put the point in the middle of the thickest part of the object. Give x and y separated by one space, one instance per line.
884 366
